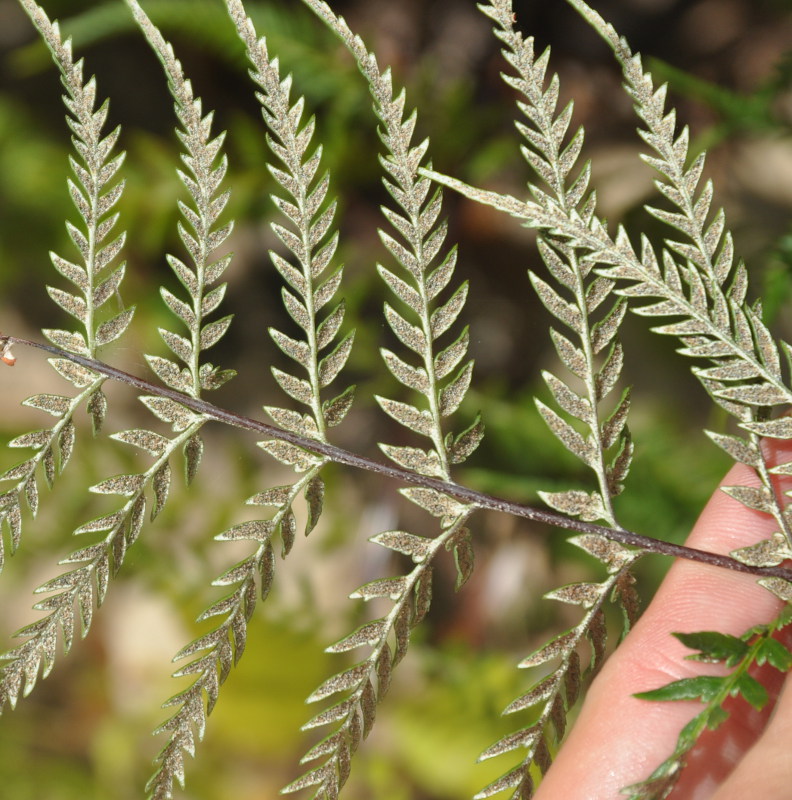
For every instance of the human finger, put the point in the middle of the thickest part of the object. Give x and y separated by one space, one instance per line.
618 739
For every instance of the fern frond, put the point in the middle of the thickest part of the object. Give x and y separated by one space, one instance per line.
97 278
706 291
202 235
754 648
417 246
312 243
221 648
94 195
313 246
366 682
427 273
85 586
708 270
554 695
737 340
553 155
427 268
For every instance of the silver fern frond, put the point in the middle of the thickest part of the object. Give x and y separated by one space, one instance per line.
97 279
366 682
312 244
595 357
202 235
427 271
703 287
85 586
592 353
690 279
554 695
714 285
734 341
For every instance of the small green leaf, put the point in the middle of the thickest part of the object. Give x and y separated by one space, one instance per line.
714 717
702 687
775 654
751 690
714 646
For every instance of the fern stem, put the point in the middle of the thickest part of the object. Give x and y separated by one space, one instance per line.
463 493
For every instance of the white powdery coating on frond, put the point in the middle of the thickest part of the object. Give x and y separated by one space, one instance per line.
553 154
365 683
89 569
743 387
94 196
554 695
202 235
418 249
311 240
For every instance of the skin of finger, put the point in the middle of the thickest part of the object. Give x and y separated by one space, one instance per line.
619 739
766 769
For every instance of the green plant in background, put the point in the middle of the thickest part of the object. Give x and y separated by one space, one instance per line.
592 279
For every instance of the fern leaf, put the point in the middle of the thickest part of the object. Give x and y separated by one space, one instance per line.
202 235
313 244
554 160
553 696
94 195
309 236
754 648
86 585
754 382
366 682
222 647
418 323
580 294
426 270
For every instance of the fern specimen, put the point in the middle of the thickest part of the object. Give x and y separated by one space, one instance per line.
554 160
426 274
94 194
591 279
706 290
